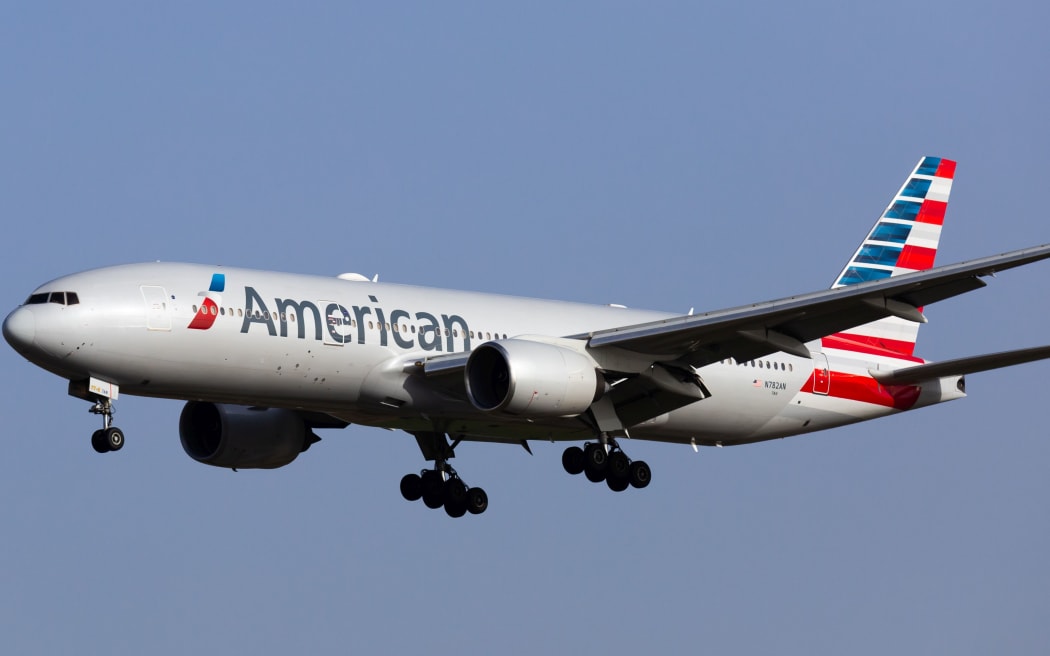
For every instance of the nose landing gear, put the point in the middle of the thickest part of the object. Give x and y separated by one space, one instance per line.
109 437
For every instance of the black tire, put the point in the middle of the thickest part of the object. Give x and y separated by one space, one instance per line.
640 474
114 438
433 500
594 476
433 484
477 501
98 441
411 487
619 466
455 494
595 457
618 483
572 460
455 509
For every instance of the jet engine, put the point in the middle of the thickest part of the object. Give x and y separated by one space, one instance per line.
532 379
241 437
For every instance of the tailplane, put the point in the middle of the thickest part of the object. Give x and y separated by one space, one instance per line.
904 239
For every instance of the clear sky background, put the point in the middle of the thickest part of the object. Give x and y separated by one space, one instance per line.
659 155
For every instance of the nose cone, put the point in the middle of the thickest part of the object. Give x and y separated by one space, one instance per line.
20 329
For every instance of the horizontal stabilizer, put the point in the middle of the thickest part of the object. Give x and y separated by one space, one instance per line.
960 366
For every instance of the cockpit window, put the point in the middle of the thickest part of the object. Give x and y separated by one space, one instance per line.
60 298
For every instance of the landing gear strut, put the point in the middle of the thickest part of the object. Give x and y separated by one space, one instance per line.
605 461
109 437
441 487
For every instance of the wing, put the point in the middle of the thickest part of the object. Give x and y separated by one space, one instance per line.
786 324
961 366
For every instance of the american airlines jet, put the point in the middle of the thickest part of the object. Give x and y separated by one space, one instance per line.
264 359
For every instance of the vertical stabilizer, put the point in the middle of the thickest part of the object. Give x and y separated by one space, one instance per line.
904 239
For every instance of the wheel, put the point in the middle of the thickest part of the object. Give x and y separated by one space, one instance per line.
640 474
455 493
455 509
433 500
572 460
98 441
411 487
594 476
618 465
114 438
433 484
432 481
477 501
595 457
618 483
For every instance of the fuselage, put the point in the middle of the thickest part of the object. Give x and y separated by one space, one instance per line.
343 347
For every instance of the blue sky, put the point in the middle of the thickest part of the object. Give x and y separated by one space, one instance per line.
659 155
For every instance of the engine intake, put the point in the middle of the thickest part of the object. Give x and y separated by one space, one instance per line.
240 437
532 379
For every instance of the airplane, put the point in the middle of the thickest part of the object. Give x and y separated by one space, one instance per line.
263 359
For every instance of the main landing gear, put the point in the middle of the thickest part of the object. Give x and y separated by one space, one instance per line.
109 437
441 487
446 489
606 462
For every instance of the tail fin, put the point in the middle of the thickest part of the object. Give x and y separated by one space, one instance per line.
904 239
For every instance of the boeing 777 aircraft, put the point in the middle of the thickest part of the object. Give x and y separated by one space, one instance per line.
263 359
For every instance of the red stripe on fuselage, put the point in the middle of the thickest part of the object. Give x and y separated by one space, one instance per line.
866 389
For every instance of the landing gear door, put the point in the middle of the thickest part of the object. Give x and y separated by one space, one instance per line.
821 374
158 316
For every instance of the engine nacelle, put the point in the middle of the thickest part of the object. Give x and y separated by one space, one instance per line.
240 437
532 379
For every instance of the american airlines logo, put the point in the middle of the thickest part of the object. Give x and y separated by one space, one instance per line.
209 309
337 324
